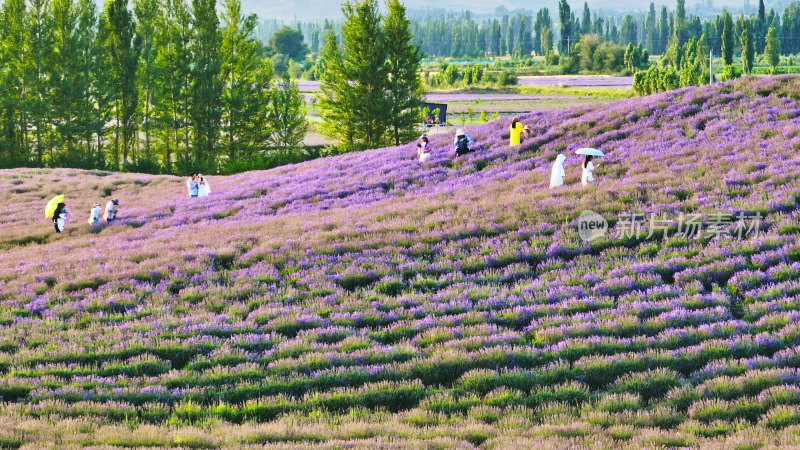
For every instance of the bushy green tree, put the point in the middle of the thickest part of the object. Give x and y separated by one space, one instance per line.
287 115
289 42
772 50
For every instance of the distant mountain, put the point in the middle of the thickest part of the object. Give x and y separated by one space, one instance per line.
311 10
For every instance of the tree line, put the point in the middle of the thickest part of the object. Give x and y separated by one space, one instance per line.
162 86
686 60
461 35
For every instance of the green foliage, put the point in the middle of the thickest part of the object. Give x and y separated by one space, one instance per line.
404 88
748 47
124 46
727 38
730 72
288 41
242 69
287 116
370 88
772 51
205 111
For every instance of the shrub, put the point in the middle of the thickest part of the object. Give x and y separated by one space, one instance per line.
615 403
781 417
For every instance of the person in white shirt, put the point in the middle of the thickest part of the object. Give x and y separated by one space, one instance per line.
111 210
94 216
557 174
588 168
192 186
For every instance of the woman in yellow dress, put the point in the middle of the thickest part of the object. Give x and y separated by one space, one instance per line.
516 132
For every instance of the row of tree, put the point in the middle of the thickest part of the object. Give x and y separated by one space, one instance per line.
162 86
460 35
371 90
689 64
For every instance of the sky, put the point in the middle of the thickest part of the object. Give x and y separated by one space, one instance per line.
312 10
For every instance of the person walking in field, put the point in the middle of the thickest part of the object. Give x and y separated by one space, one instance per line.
462 143
424 149
557 174
111 210
60 217
588 167
193 186
94 216
516 130
203 188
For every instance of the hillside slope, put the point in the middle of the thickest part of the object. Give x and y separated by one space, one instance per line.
365 298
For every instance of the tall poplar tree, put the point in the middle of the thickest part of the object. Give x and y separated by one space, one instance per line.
88 89
66 76
336 98
405 86
748 47
287 115
772 51
206 111
650 29
565 18
13 57
727 38
38 83
148 14
586 21
360 80
124 49
239 62
173 86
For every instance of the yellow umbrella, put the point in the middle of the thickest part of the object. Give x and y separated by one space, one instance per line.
52 205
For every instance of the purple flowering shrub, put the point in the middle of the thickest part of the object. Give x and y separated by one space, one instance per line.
365 297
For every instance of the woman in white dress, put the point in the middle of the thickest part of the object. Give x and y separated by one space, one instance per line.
203 188
557 174
588 168
424 149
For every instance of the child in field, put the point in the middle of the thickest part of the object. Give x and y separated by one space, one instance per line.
60 217
94 216
516 132
111 210
424 149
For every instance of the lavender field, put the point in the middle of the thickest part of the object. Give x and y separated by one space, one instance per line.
365 300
